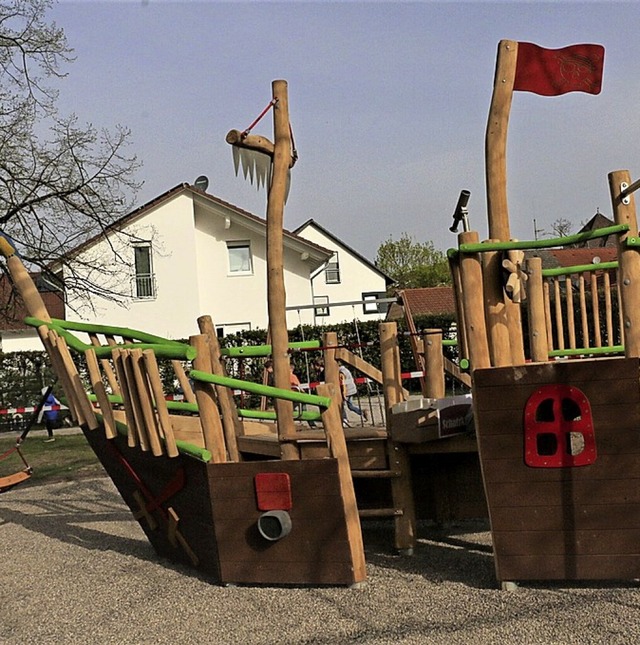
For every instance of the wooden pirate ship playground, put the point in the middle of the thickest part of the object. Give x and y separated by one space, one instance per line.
250 496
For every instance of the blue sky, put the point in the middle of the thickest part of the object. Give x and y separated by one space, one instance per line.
388 102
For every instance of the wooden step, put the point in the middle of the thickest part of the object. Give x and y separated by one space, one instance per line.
375 474
380 512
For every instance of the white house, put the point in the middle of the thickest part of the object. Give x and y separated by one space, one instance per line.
182 255
347 287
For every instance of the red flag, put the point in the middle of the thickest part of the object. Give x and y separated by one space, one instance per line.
551 72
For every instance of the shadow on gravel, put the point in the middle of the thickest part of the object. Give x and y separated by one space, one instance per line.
69 521
457 553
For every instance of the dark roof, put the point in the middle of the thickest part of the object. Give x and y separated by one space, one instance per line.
13 310
569 257
598 221
311 222
426 301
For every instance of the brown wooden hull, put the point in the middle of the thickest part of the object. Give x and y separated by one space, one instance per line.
205 515
568 522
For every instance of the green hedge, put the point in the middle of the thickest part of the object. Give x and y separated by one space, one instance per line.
23 374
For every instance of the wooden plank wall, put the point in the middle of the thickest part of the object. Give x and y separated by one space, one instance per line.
562 523
317 549
191 503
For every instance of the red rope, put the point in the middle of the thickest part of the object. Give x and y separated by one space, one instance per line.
271 104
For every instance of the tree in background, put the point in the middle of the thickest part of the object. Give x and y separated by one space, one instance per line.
561 227
413 264
61 182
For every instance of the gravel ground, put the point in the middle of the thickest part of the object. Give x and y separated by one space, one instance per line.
76 568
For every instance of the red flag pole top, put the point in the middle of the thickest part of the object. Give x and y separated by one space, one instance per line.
526 67
551 72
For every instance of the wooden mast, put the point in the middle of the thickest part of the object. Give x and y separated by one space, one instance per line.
276 296
496 181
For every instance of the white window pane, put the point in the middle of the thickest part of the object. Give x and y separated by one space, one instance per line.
240 259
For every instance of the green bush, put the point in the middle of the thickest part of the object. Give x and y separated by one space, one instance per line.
24 374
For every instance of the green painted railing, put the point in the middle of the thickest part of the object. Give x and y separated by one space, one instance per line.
524 245
579 268
185 447
162 347
265 350
261 390
586 351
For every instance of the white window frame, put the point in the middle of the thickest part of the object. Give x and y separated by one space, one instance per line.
372 307
144 283
332 270
239 244
321 306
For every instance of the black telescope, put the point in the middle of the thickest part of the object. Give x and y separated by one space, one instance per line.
461 212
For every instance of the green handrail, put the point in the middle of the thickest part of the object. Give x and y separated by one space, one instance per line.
579 268
512 245
162 349
265 350
184 447
262 390
582 351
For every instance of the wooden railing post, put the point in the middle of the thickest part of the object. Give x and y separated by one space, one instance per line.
537 327
473 303
209 415
434 378
624 212
495 309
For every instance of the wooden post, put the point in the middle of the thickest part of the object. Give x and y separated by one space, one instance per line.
209 415
608 309
331 369
496 140
547 314
99 390
161 405
276 296
495 309
461 330
584 319
571 318
332 422
624 212
537 326
230 421
557 302
401 490
472 296
434 378
595 308
390 359
514 323
143 391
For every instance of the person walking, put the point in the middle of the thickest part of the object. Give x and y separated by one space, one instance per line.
348 388
49 416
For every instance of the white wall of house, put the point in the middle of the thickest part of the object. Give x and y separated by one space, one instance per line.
26 340
238 300
190 236
357 279
171 310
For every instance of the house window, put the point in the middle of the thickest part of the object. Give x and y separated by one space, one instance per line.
370 304
228 329
144 279
332 270
321 305
239 257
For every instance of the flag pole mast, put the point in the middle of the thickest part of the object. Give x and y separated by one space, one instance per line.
496 141
505 336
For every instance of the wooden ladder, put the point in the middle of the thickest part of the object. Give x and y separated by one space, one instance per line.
388 461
